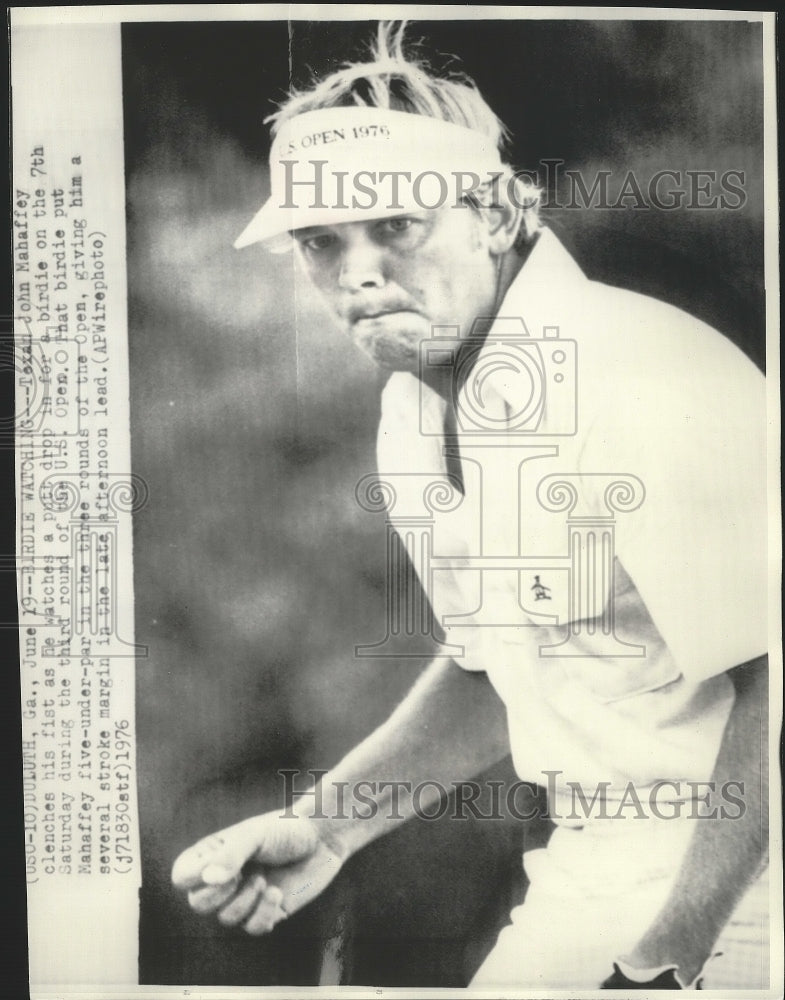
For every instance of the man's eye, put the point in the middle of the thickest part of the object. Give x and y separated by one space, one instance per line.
320 242
397 224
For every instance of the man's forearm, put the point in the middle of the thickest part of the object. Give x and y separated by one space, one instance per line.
449 727
724 855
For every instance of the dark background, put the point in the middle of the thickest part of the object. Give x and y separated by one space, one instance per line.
256 572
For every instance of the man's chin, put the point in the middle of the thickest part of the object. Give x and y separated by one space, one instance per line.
392 357
393 349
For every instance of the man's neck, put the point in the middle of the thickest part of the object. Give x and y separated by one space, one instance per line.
442 379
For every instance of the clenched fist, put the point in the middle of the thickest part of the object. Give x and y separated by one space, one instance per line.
257 872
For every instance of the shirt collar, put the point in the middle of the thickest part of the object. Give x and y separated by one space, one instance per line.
539 288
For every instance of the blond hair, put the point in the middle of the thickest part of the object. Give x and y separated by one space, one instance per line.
399 82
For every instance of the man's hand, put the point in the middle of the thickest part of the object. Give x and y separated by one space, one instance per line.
259 871
449 727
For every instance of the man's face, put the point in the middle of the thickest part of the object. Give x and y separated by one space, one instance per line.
391 280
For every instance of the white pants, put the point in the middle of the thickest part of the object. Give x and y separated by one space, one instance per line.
593 892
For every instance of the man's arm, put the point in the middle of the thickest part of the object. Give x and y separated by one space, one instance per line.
724 855
450 726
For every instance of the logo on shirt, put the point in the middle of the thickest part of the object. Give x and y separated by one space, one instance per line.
541 592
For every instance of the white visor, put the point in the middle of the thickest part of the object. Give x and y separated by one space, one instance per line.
342 164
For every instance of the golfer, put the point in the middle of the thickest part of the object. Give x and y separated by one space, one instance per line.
643 675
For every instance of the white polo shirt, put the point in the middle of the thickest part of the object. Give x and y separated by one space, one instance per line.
649 397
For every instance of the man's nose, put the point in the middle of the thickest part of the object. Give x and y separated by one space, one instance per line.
362 265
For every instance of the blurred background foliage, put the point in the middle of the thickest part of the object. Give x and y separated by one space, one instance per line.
253 418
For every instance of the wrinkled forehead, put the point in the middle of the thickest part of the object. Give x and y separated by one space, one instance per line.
339 165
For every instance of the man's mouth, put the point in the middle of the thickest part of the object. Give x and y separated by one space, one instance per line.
369 317
368 312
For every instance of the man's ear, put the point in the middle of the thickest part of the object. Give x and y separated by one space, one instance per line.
504 221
